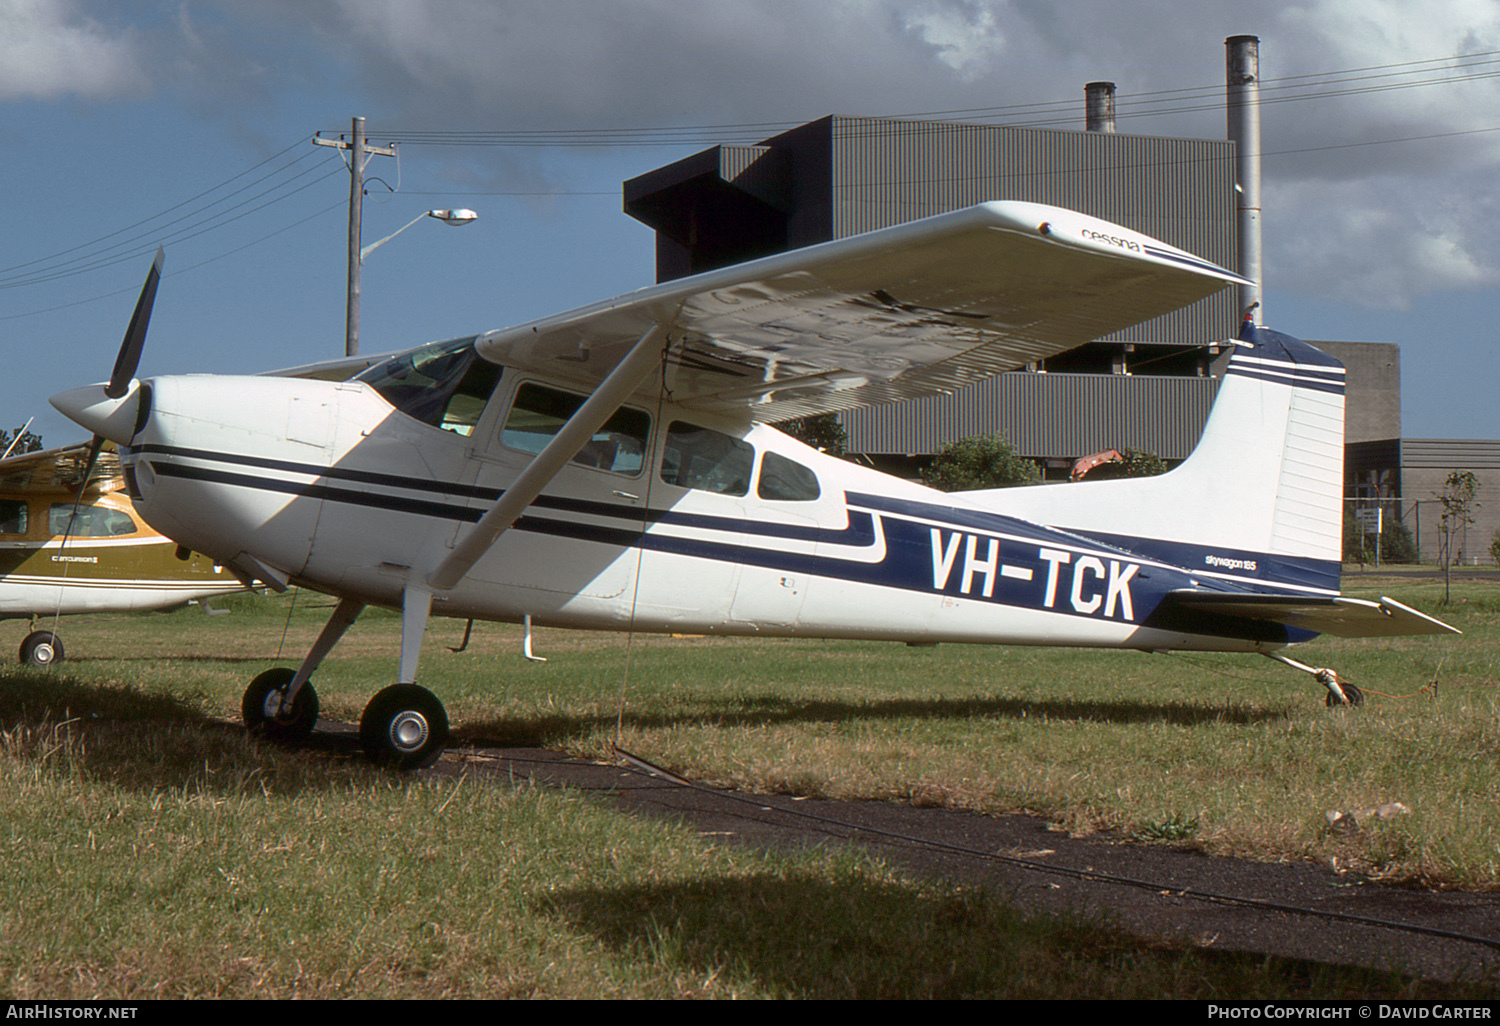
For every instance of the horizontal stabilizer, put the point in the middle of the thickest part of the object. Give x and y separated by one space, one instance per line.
1339 615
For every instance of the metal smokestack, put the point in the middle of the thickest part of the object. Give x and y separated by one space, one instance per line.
1099 106
1242 75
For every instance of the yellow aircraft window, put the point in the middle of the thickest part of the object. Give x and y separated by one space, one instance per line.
697 457
786 480
12 516
90 522
539 412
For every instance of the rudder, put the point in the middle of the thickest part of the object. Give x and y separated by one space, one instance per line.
1259 501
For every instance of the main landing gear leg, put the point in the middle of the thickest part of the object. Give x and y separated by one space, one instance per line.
1340 692
405 726
282 705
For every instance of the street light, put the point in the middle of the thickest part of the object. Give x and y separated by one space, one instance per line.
351 325
454 217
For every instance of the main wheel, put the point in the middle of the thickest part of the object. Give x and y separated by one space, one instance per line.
41 648
404 727
261 707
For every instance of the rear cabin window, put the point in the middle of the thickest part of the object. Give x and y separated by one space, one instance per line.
12 516
90 522
538 413
445 384
786 480
710 461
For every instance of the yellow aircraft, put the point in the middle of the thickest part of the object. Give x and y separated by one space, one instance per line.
69 546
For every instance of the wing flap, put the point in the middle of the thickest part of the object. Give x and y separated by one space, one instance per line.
1339 615
899 313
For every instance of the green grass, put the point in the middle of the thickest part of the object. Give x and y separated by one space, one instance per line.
151 850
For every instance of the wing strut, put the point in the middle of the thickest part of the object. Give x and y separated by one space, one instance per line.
642 359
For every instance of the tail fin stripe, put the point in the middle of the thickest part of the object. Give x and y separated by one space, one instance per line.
1326 373
1295 377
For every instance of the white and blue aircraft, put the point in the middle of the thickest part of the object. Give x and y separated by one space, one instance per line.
613 468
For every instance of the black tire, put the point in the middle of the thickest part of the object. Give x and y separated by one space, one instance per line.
404 727
259 708
41 649
1352 694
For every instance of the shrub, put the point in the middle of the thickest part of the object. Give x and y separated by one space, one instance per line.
984 461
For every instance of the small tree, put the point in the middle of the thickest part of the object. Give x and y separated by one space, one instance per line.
823 432
1459 504
29 442
984 461
1397 545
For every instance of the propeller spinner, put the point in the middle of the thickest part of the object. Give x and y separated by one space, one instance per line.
111 411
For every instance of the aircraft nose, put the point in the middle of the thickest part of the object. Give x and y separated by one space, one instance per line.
114 419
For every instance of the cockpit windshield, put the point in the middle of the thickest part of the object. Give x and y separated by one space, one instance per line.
445 384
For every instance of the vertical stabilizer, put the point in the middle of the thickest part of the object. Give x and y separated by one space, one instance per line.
1258 501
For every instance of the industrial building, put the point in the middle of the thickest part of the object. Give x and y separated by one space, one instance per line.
1149 387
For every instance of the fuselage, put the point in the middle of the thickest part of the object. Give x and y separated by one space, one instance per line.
669 519
108 562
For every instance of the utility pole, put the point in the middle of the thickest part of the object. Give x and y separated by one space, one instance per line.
359 154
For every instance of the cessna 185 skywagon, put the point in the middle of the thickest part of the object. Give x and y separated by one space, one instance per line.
73 546
612 468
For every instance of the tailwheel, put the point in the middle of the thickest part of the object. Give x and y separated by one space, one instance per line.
41 649
261 708
1352 696
404 727
1340 692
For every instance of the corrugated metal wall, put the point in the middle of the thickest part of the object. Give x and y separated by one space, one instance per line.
1475 455
1045 415
1181 191
1425 466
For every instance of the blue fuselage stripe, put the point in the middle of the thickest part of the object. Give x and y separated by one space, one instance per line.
929 548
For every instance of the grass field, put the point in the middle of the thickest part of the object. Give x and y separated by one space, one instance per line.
152 850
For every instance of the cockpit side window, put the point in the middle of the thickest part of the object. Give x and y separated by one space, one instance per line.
539 412
445 384
786 480
88 521
12 516
697 457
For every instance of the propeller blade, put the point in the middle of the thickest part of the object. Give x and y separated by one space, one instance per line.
79 489
135 335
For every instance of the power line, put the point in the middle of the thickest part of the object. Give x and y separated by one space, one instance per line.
130 242
276 179
1312 86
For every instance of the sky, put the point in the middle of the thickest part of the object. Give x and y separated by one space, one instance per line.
124 125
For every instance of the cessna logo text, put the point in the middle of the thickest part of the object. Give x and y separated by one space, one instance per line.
1111 240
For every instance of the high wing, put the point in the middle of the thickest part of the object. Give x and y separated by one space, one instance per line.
908 311
922 307
1340 615
59 470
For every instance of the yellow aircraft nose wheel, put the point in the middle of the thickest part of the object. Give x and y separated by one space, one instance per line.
262 712
41 648
404 727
